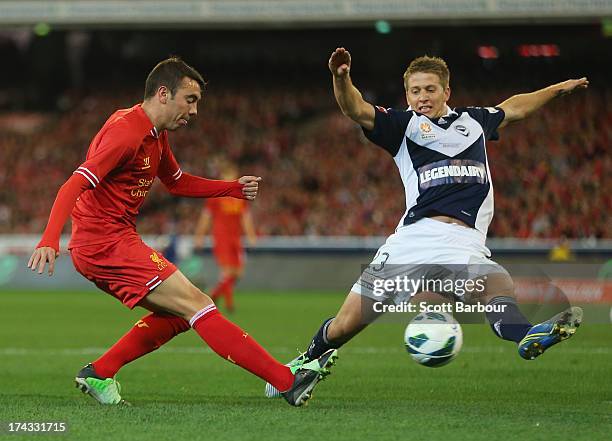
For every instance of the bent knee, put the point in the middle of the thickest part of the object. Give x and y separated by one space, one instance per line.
191 301
499 284
199 298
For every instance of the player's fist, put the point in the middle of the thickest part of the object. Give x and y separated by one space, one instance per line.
250 186
340 62
570 85
40 257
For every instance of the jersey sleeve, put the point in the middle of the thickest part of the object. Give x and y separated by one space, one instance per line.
115 146
169 171
389 128
62 207
489 118
184 184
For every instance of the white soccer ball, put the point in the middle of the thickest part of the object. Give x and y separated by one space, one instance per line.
433 339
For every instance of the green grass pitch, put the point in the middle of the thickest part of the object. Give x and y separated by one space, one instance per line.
376 392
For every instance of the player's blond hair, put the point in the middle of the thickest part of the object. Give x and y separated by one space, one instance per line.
427 64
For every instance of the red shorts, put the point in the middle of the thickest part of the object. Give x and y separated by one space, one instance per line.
127 269
229 252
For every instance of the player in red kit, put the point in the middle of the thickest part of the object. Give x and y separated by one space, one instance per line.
104 195
229 218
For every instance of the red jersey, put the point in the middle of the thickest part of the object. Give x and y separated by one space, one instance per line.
122 162
226 216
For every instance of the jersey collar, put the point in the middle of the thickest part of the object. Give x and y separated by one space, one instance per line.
443 120
147 125
449 112
449 116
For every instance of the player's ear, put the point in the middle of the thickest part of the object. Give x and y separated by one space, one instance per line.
447 93
163 94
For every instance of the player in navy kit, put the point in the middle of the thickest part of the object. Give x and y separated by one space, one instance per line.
441 156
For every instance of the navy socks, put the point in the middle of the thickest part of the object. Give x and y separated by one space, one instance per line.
509 322
319 344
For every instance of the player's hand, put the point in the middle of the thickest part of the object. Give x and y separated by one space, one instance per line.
340 62
40 257
569 86
251 186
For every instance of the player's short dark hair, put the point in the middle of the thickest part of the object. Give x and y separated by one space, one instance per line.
170 73
427 64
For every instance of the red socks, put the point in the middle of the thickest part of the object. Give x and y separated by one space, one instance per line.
235 345
147 335
223 337
225 288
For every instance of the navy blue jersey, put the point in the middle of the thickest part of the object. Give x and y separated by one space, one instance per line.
442 161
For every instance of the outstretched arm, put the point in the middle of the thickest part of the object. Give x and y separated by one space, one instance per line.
349 98
520 106
194 186
47 249
184 184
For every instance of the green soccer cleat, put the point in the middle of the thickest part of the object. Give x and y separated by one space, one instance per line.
271 391
546 334
103 390
307 375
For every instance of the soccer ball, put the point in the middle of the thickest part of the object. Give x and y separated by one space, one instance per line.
433 339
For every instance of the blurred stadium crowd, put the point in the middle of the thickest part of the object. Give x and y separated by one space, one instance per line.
269 107
321 177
